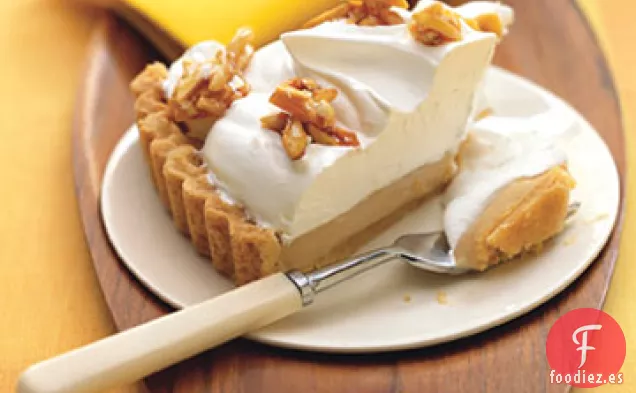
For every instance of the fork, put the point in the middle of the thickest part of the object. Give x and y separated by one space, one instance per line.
135 353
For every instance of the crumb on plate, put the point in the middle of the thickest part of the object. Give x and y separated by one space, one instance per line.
597 218
569 241
442 297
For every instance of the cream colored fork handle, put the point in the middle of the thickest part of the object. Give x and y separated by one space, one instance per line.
140 351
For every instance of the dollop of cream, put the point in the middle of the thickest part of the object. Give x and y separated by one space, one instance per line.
498 151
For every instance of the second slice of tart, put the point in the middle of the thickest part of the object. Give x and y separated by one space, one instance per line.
512 192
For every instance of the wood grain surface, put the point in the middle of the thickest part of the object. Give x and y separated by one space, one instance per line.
551 44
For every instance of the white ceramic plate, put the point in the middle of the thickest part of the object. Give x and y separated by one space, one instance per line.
395 306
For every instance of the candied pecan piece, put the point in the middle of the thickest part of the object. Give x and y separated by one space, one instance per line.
375 12
375 7
321 136
436 25
303 84
327 95
206 89
305 100
301 105
240 49
317 92
346 137
370 20
295 139
325 114
335 136
308 117
389 17
363 12
192 81
275 122
490 23
200 93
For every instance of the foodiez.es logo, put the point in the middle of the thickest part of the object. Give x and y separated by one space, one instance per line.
586 348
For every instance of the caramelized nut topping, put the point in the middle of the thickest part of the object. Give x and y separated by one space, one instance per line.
295 139
327 95
302 105
433 26
275 122
317 92
240 50
363 12
436 25
490 23
319 135
346 137
336 136
207 89
308 117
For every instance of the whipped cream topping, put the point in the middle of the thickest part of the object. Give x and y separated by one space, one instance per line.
409 104
499 151
251 166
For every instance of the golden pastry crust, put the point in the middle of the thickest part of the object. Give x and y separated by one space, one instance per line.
539 216
521 217
238 247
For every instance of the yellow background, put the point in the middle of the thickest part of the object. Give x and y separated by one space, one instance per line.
50 301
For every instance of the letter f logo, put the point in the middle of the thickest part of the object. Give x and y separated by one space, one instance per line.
583 344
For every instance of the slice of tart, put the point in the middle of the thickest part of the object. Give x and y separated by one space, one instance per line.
281 158
512 192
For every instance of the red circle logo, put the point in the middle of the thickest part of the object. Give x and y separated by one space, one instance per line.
586 348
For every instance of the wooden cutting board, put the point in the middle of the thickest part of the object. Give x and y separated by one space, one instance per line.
551 44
